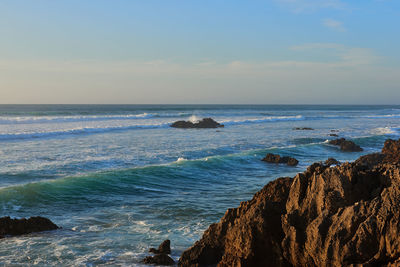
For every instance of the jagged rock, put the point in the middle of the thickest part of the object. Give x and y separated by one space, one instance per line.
347 215
163 248
346 145
13 227
303 129
159 259
275 158
204 123
331 161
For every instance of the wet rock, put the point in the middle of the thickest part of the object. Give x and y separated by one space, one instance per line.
163 248
14 227
159 259
303 129
335 135
347 215
346 145
275 158
204 123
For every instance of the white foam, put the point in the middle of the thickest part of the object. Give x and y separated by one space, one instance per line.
263 119
384 131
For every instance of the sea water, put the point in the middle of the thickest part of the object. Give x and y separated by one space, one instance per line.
119 180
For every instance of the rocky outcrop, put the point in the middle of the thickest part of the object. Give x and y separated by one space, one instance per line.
14 227
334 135
347 215
163 248
346 145
275 158
204 123
161 255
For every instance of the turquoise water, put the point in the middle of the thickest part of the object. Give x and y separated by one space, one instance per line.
118 179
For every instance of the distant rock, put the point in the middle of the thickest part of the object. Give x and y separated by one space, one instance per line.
347 215
15 227
161 257
275 158
335 135
303 129
346 145
204 123
163 248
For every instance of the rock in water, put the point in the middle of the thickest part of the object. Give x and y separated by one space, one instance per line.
13 227
346 145
303 129
204 123
163 248
275 158
326 216
159 259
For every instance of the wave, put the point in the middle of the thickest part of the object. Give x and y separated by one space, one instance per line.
264 119
77 131
85 118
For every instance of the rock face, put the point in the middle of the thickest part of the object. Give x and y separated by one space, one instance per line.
13 227
346 145
274 158
204 123
161 257
326 216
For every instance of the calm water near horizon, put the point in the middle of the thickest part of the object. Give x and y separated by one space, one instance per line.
118 179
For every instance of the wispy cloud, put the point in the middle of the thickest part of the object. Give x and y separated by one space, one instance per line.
334 25
299 6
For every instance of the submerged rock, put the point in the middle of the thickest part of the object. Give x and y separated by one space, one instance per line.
335 135
347 215
346 145
204 123
14 227
275 158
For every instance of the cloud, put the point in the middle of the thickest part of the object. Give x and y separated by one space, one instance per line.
345 55
299 6
334 25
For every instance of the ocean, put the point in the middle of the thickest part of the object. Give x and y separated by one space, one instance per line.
119 180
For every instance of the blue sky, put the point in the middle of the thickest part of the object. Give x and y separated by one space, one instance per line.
167 51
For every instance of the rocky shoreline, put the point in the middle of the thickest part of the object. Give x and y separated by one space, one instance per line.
345 215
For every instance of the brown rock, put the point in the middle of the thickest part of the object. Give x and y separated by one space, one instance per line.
13 227
331 161
345 145
159 259
163 248
204 123
275 158
346 215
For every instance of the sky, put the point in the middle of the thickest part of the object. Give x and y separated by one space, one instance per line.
200 52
